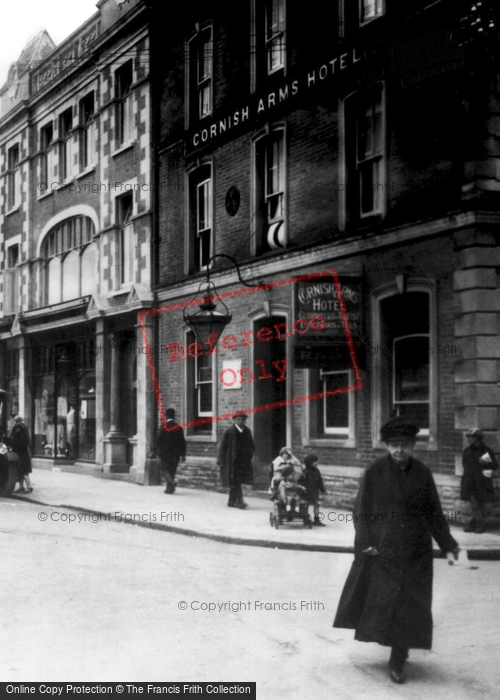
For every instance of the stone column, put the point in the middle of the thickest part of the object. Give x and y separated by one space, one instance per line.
477 327
115 442
102 390
145 470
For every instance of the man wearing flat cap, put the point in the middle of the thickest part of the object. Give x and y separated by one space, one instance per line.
388 593
479 462
235 459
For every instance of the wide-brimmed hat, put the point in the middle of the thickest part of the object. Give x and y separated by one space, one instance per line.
239 414
474 432
399 428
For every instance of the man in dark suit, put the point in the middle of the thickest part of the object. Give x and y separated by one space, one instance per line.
235 459
479 462
388 594
171 448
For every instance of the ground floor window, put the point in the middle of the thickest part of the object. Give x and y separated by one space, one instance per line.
331 409
64 418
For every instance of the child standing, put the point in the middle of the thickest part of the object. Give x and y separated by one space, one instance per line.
312 480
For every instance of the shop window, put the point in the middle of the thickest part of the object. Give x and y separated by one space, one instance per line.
267 40
404 361
47 154
65 145
200 71
200 217
370 9
11 281
200 387
70 269
13 178
124 110
11 381
124 210
64 400
270 188
87 135
331 417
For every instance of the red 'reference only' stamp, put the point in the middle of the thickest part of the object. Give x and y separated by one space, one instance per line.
311 326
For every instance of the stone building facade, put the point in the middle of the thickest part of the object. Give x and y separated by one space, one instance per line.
76 244
296 147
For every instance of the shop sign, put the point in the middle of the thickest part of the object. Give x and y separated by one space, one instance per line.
320 297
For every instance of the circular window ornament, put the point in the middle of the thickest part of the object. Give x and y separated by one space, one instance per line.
233 198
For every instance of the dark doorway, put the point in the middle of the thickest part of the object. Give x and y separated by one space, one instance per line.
270 424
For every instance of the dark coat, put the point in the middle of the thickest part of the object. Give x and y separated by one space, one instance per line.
20 442
473 482
171 443
387 598
235 457
312 480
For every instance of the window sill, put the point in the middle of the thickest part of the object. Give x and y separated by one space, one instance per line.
123 147
330 442
45 193
125 289
85 172
13 210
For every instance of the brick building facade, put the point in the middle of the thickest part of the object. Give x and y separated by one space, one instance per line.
75 256
369 147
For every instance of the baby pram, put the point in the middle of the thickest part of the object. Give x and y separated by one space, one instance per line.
281 515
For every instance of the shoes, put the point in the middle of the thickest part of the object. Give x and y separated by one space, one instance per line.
232 505
242 506
21 490
479 530
318 523
30 490
397 672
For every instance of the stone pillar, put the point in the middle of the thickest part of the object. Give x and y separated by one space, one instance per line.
102 390
145 470
477 329
115 442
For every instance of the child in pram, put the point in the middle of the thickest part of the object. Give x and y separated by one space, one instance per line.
284 459
291 494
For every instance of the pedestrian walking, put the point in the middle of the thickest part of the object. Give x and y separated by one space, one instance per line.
20 442
479 462
235 459
312 480
387 596
171 448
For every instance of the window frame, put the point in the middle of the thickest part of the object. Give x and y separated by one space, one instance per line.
47 151
261 69
124 96
202 173
427 439
264 225
376 159
313 436
205 432
194 85
13 177
125 241
66 145
363 20
280 34
88 131
11 279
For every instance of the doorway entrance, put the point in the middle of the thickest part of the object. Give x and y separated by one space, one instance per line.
269 424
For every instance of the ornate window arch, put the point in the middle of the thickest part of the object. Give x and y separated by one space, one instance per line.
70 256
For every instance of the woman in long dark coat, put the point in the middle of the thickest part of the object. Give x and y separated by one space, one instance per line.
387 597
20 442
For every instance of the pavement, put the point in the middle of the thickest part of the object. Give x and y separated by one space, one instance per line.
199 513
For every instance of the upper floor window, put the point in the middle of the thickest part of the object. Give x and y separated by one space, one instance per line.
87 136
13 177
11 281
65 145
124 112
275 35
124 211
267 40
200 217
365 156
270 191
71 257
370 9
47 154
201 61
